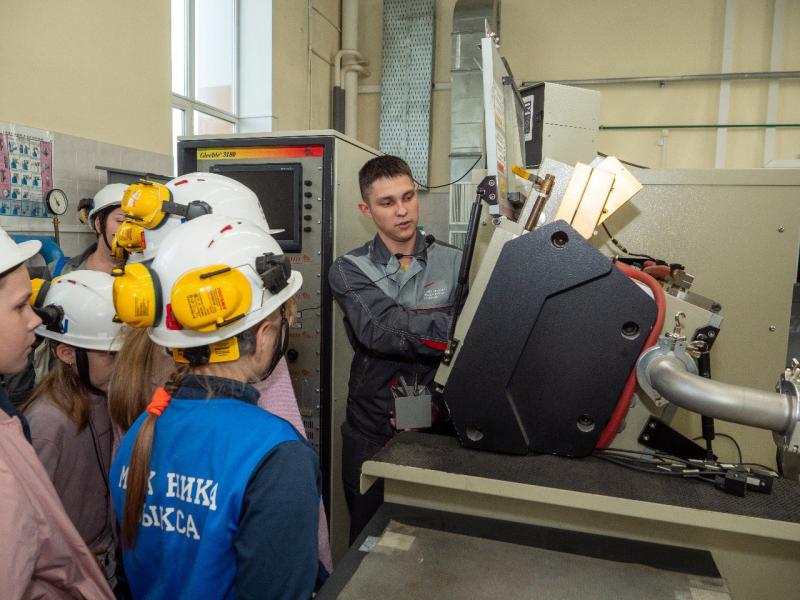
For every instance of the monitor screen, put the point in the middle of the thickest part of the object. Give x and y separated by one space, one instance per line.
278 189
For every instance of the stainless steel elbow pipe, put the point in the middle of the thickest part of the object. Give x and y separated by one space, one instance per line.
747 406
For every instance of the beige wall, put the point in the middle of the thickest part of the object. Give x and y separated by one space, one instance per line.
89 68
578 39
305 40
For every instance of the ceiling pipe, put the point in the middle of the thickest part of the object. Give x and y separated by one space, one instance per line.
350 41
337 63
678 78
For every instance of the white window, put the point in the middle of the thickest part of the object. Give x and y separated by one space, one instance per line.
204 66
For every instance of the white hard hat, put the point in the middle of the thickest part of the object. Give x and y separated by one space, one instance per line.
110 195
202 193
88 321
216 277
13 254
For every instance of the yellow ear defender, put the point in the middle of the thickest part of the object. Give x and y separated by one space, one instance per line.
217 352
145 202
39 289
129 237
210 297
137 295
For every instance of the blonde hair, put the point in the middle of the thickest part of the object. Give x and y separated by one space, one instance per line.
131 383
66 390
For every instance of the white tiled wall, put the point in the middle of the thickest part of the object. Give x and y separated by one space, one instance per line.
74 161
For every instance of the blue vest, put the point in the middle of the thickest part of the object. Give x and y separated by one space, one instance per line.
204 453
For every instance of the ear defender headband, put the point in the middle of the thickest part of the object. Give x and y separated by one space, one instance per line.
149 203
137 295
84 208
274 270
52 315
39 289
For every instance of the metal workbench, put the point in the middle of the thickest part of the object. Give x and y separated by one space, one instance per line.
755 541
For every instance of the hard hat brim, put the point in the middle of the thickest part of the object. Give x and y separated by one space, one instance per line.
24 250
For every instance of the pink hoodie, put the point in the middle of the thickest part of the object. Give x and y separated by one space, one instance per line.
277 397
42 554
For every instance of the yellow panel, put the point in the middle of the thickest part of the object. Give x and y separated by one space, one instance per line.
574 192
592 203
625 186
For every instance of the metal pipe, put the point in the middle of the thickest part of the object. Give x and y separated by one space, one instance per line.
337 63
677 78
361 69
706 126
350 40
747 406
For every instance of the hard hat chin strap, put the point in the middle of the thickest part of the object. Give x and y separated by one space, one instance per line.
82 362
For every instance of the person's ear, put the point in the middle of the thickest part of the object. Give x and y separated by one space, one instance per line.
364 208
96 225
264 337
65 354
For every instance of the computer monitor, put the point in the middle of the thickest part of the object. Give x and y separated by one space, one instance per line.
277 186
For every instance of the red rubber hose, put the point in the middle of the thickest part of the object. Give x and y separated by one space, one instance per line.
630 385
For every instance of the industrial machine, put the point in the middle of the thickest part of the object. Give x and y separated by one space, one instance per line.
546 352
307 183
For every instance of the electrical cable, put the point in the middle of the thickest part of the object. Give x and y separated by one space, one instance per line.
429 241
433 187
622 248
765 467
735 443
625 162
621 409
659 463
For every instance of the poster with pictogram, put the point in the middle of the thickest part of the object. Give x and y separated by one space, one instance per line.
26 170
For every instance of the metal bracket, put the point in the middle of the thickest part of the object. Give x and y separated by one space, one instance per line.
666 344
657 435
450 351
487 190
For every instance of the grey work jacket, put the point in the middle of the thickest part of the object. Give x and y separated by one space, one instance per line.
397 321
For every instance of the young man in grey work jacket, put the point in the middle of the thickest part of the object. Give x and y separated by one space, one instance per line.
396 292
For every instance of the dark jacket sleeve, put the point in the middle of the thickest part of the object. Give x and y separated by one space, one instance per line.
379 323
276 541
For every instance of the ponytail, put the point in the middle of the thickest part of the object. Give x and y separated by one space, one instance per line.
139 468
132 380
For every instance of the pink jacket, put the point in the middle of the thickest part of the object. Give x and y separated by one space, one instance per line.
41 555
277 397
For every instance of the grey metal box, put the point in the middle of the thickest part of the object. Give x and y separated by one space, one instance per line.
561 122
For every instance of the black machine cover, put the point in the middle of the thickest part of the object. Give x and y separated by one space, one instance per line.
553 340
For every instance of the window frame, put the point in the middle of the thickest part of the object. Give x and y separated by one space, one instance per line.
187 103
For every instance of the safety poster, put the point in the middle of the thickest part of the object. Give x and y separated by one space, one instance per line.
26 170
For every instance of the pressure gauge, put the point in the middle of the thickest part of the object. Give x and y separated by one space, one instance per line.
56 201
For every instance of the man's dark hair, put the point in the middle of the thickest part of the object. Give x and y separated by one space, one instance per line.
379 167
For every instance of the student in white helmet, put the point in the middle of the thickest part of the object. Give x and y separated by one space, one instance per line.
42 554
68 411
142 366
216 497
104 215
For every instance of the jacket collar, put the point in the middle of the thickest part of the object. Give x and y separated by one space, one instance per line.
76 262
196 387
379 253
